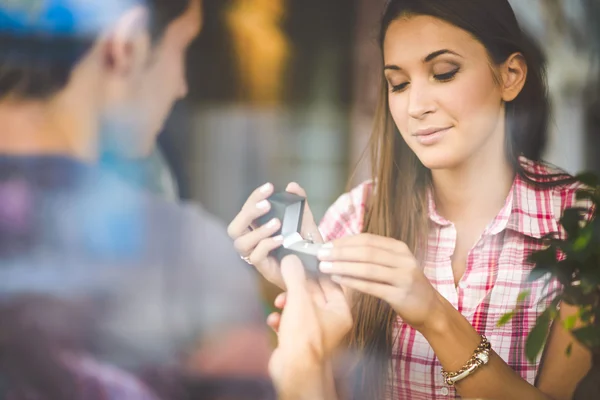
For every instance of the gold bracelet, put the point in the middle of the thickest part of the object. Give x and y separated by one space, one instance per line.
480 357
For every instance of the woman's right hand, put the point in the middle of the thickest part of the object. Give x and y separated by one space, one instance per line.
256 242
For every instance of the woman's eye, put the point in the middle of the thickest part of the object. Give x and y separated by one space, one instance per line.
398 88
446 76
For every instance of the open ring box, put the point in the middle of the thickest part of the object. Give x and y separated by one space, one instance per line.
289 209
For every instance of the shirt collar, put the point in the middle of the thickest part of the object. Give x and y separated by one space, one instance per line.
533 209
528 209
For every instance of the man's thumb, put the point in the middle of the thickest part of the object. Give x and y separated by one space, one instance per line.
294 276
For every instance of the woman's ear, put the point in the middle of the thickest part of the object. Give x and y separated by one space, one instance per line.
514 74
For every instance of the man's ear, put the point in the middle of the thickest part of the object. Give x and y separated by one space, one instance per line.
127 43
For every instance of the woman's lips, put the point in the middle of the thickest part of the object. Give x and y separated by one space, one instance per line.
430 136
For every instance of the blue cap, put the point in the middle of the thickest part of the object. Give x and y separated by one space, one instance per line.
60 17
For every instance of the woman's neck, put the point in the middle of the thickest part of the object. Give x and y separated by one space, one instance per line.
475 191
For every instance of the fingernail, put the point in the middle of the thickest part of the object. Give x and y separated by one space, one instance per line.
336 278
278 238
279 298
263 204
272 223
326 266
266 187
324 253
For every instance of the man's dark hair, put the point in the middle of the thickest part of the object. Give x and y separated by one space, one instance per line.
36 67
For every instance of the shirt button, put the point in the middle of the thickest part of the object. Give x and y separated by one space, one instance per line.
445 391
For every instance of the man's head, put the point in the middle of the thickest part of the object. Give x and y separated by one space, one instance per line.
124 59
145 93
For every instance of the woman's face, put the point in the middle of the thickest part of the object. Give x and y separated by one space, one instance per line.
443 93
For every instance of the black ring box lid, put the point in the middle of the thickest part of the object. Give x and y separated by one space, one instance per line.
289 209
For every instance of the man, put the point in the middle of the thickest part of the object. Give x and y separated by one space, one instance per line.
314 320
77 78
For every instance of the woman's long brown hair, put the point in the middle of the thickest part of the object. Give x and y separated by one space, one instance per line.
397 207
400 195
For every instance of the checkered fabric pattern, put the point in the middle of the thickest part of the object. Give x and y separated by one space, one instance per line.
495 274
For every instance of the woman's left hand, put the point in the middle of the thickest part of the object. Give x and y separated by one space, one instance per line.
384 268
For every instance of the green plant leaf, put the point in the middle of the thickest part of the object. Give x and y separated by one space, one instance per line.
588 178
575 296
537 337
589 285
523 295
584 194
565 271
569 322
545 256
538 272
585 314
505 318
543 261
570 220
550 236
589 336
584 238
569 349
555 292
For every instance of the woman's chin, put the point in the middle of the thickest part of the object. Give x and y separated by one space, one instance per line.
439 160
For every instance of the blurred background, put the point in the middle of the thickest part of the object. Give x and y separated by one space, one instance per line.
284 90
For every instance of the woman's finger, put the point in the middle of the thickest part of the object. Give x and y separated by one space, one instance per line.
273 321
375 241
245 244
263 248
280 300
366 254
364 271
256 206
375 289
295 188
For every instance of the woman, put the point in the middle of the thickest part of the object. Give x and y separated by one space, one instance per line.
435 251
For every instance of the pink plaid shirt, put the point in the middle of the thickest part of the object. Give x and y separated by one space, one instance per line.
495 274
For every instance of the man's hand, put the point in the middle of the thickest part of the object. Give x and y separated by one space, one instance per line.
313 323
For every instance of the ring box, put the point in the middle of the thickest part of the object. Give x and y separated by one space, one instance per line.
289 209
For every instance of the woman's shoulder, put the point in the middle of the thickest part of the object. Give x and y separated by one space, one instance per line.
558 187
346 215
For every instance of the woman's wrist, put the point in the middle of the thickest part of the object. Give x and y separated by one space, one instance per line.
438 319
451 336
